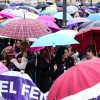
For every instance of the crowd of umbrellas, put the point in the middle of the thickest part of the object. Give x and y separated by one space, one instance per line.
40 25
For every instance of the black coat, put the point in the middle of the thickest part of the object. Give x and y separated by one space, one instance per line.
43 74
61 67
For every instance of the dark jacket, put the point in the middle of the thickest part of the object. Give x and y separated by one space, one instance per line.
43 74
61 67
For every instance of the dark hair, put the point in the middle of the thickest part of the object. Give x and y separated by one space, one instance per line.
25 43
19 55
91 48
60 52
5 57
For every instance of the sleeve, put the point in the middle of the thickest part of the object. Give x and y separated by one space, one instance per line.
21 65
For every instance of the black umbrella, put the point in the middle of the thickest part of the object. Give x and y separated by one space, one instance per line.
49 3
42 5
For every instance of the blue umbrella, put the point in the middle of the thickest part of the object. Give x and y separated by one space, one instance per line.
54 39
94 16
59 15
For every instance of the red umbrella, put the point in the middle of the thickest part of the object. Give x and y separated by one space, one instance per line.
88 37
81 82
24 28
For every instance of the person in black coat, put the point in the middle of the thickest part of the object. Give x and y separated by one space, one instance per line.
60 63
43 70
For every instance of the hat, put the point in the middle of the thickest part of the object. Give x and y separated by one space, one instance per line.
3 68
9 50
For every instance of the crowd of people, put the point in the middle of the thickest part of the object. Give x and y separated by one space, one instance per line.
45 65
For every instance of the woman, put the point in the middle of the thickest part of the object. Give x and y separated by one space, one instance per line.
90 52
4 59
60 63
43 71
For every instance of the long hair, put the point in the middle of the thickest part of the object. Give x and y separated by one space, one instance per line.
59 53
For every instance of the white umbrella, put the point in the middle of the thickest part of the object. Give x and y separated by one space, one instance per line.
71 9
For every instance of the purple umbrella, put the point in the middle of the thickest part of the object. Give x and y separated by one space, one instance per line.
78 20
54 27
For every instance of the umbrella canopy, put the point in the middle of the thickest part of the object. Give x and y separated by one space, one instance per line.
94 16
59 15
71 9
54 39
8 14
3 68
81 82
24 28
78 20
89 25
47 17
29 15
29 8
88 37
70 33
97 4
42 5
54 27
3 6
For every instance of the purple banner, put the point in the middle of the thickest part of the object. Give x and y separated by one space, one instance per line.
18 88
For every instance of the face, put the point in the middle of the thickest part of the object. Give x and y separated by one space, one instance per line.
52 50
65 55
70 51
18 44
89 55
22 48
4 62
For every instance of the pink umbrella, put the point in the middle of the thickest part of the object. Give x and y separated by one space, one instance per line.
81 82
47 17
3 68
8 14
34 49
54 27
24 28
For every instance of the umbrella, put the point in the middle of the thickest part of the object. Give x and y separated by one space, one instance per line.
71 9
48 12
8 14
34 49
88 37
42 5
78 20
54 27
59 15
29 15
59 4
94 16
47 17
97 4
89 25
3 68
70 33
24 28
29 8
81 82
3 6
54 39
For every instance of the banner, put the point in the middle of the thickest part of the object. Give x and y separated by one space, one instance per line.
17 86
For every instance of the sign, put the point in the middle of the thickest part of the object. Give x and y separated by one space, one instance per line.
19 87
